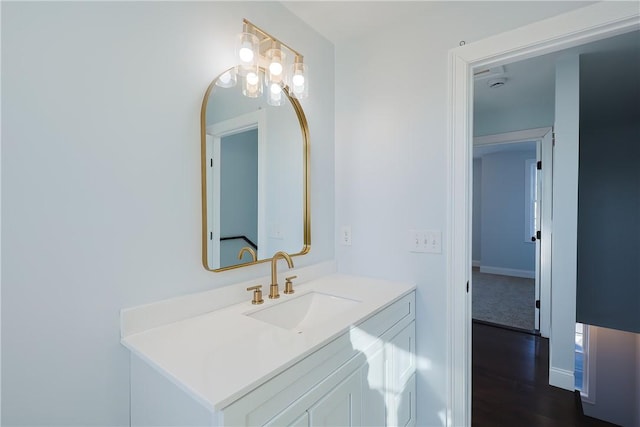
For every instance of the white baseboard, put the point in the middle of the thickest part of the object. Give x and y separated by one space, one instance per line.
508 272
475 263
561 378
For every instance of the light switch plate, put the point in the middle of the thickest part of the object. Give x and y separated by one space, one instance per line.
423 241
433 241
416 241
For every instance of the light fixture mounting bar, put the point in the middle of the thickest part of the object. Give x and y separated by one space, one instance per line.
266 35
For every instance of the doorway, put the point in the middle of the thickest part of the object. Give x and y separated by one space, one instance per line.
584 25
523 205
238 195
240 140
505 221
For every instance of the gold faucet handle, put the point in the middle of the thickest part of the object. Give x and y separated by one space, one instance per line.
257 294
288 284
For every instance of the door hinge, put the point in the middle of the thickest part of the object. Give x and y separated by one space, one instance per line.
467 286
211 163
211 235
538 234
538 303
553 139
539 165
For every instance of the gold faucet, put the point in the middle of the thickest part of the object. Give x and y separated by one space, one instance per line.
254 257
257 294
273 289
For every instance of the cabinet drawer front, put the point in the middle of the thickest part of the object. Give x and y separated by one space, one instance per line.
395 316
272 397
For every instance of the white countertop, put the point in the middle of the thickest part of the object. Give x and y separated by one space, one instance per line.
220 356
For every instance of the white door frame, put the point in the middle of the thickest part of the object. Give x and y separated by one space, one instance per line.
543 139
584 25
215 133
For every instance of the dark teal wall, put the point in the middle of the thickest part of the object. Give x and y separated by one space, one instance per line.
608 285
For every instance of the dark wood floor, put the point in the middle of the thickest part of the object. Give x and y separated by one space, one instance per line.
510 383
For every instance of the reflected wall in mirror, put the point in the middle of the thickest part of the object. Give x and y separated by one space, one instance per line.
255 168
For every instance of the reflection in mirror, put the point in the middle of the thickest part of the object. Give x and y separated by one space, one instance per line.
254 179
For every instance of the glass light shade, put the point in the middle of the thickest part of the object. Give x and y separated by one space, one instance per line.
298 80
227 79
247 51
252 84
275 95
276 66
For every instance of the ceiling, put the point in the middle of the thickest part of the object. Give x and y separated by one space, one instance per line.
338 21
531 81
342 20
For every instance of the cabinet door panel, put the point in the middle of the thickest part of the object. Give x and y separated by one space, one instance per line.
401 354
341 406
374 388
301 421
401 379
405 405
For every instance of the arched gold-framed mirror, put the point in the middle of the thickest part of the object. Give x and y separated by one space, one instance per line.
255 178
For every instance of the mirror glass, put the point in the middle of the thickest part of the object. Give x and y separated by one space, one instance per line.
255 161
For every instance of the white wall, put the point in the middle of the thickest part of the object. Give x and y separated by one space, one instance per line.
391 160
617 375
512 118
503 226
564 237
101 184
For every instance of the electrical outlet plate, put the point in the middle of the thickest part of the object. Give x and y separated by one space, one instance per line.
275 232
345 235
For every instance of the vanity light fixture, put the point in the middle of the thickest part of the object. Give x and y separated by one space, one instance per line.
228 78
252 85
263 62
247 48
298 79
275 95
275 58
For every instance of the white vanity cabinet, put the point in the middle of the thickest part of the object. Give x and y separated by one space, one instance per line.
361 375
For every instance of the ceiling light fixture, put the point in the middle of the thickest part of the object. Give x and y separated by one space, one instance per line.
263 61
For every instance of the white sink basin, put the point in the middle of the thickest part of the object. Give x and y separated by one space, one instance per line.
302 311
